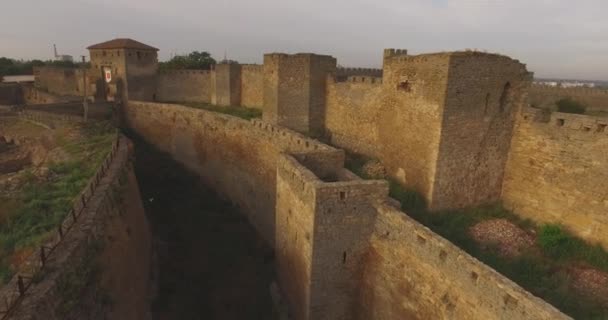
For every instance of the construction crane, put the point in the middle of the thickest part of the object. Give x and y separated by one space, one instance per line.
62 57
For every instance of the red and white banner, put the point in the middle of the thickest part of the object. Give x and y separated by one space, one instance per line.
107 72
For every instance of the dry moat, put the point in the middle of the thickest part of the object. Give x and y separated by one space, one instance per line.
211 264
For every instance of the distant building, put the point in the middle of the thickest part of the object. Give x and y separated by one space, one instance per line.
62 57
18 79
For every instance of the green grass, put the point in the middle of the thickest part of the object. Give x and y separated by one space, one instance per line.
241 112
560 245
543 271
45 203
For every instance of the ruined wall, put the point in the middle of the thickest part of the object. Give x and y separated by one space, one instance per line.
110 234
545 97
11 94
412 273
252 85
33 95
352 114
558 172
484 93
186 85
234 156
59 80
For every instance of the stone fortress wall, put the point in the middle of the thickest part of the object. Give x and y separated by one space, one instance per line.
467 114
59 80
449 125
234 156
542 96
557 171
343 252
186 85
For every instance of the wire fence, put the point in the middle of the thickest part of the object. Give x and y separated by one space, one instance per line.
30 270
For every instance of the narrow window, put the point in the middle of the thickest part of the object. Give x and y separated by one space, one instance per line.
342 195
504 98
344 257
138 55
103 53
561 122
601 127
485 110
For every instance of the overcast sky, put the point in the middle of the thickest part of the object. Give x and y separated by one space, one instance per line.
556 38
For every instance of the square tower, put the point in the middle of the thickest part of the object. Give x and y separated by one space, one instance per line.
133 67
294 90
454 115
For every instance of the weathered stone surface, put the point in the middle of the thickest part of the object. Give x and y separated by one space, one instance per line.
558 172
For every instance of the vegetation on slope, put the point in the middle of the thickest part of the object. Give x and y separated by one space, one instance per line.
43 203
237 111
546 269
569 105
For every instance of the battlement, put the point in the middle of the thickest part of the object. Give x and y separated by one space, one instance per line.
595 126
252 66
290 139
186 72
360 79
347 72
389 53
449 54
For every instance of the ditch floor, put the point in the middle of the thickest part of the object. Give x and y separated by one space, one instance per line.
211 264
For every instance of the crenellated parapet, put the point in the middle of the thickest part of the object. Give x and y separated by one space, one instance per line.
348 72
186 72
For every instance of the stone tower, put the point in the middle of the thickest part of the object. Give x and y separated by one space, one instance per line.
294 90
454 114
133 66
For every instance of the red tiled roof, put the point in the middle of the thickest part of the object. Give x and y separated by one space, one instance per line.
122 43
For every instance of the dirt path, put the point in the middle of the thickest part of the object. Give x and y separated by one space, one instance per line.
212 264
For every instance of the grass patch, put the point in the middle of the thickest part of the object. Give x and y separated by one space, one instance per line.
45 203
241 112
559 244
543 272
72 284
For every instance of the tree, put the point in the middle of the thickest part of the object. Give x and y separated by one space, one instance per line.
200 60
9 67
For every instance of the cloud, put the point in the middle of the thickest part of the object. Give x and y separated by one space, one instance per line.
555 37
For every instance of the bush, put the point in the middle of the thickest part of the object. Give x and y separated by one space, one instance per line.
568 105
